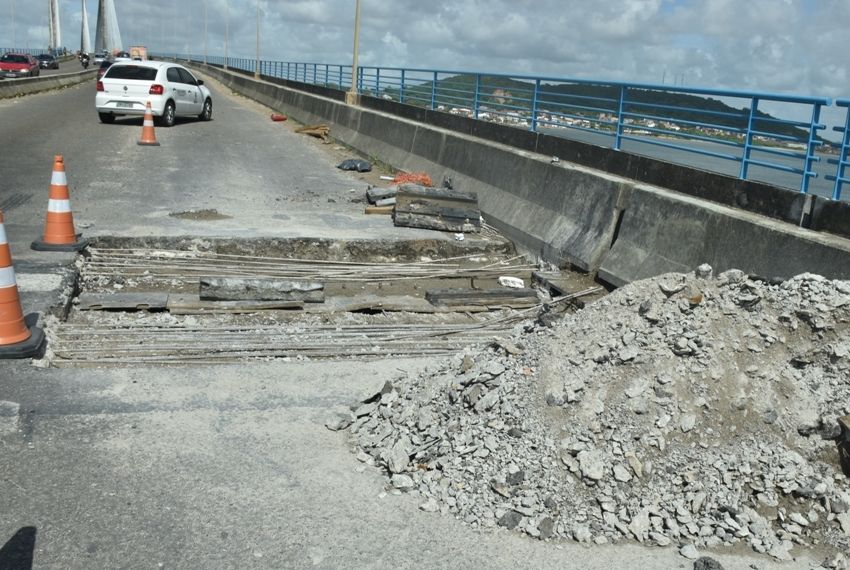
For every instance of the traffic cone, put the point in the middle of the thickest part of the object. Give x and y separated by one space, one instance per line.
148 134
17 339
59 233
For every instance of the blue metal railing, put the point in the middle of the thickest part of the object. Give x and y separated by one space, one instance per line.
720 130
31 51
843 148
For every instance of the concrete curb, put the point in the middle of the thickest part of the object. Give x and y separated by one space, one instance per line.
18 87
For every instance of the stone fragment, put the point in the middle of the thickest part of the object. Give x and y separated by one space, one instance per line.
621 473
689 551
707 563
546 528
510 520
515 478
592 464
640 525
402 482
844 521
365 409
704 271
398 457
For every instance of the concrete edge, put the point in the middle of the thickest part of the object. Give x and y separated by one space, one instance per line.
10 88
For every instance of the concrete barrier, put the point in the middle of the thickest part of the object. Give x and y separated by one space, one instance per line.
19 87
569 214
662 231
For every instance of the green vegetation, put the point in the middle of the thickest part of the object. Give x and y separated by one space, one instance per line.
590 101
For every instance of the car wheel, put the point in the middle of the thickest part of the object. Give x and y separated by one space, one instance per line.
167 118
206 114
107 118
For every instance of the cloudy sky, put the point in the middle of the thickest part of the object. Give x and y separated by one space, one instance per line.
789 46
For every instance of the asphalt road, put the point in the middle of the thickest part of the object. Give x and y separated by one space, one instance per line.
209 467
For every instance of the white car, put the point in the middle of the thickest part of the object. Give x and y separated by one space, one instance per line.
170 88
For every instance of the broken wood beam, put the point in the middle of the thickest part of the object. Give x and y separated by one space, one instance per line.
385 210
375 194
259 289
437 209
516 298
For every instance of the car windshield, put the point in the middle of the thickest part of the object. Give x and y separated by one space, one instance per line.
12 58
131 72
45 56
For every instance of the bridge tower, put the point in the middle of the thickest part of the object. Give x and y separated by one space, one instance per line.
107 35
55 39
85 38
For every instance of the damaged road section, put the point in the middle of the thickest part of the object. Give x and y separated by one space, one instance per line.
692 411
290 301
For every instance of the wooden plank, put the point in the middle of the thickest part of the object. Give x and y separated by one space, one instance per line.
191 304
259 289
471 216
517 298
380 210
143 301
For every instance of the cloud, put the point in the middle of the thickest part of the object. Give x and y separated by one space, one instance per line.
793 46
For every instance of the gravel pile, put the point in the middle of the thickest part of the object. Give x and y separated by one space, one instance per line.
694 410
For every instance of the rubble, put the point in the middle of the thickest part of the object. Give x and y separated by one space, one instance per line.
693 410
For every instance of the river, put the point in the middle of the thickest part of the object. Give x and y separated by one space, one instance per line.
818 186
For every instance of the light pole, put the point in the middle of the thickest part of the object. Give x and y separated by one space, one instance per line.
226 29
14 37
352 96
205 32
257 64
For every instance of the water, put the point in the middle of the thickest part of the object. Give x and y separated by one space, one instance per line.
818 186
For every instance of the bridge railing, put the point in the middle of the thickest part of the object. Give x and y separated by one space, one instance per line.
770 137
31 51
843 149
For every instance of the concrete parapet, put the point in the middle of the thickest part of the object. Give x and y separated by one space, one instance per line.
662 231
18 87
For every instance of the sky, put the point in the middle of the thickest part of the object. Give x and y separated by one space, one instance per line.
785 46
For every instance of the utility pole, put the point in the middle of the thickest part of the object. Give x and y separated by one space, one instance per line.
226 29
14 37
257 64
352 95
205 32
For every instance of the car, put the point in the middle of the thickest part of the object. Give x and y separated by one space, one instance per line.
14 65
104 65
170 88
47 61
100 56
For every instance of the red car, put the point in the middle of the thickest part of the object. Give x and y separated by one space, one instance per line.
14 65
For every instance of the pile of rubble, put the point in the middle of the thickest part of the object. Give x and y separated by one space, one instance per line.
691 410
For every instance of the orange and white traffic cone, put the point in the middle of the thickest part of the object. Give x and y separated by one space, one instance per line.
148 134
59 233
17 340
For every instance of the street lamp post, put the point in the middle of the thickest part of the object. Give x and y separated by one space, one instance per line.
257 64
351 97
205 32
226 30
